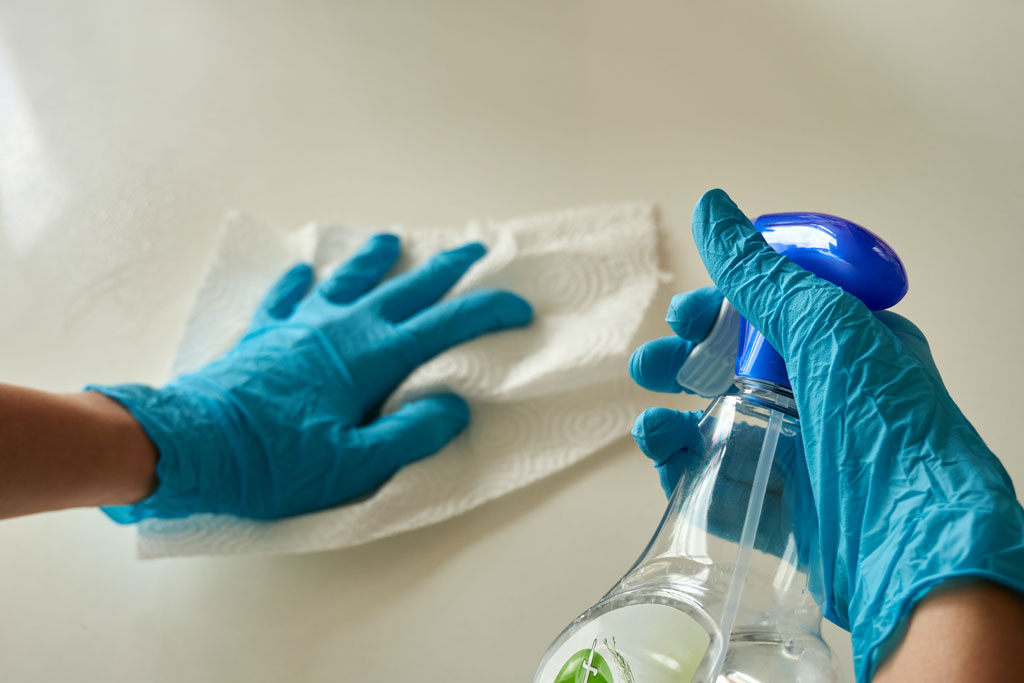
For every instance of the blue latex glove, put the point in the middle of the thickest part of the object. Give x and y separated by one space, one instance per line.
906 492
285 422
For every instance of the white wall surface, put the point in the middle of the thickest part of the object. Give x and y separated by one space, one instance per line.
127 128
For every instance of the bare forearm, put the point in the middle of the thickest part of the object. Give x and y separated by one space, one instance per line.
69 450
968 632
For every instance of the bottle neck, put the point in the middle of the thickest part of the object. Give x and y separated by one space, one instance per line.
766 394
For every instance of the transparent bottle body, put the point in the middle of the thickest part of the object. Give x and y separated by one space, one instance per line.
692 560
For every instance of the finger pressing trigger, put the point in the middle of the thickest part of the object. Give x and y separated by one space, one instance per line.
691 314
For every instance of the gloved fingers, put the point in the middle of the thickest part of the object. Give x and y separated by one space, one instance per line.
414 431
655 364
412 292
691 314
363 271
671 439
668 437
779 298
283 296
662 433
458 320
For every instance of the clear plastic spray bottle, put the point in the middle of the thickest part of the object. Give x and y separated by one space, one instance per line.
729 588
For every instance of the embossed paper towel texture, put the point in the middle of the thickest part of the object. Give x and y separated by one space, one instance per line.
542 397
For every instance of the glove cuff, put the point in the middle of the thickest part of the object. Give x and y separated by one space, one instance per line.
198 441
926 556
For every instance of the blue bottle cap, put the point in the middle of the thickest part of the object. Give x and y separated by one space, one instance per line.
836 250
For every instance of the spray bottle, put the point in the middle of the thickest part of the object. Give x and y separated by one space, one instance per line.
729 588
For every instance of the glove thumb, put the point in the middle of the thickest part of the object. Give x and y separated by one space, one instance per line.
793 308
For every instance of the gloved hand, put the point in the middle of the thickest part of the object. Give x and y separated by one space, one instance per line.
906 492
285 422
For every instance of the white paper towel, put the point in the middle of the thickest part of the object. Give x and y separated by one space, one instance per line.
542 397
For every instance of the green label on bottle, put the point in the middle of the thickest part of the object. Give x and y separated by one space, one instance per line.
586 666
633 644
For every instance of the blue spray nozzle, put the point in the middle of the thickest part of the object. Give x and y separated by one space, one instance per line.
834 249
840 251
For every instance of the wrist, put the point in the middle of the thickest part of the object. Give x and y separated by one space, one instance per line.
962 630
69 450
201 444
128 458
